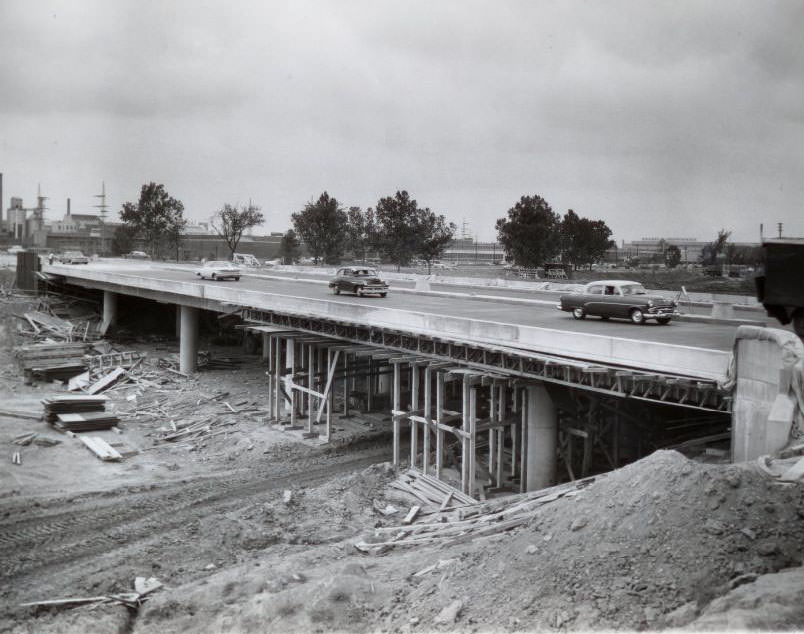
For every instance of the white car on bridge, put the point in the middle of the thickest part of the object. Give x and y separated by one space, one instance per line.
218 270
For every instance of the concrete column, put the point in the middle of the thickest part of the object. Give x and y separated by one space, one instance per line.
542 438
109 311
266 347
188 340
384 382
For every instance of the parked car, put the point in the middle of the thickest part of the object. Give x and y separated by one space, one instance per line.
245 259
218 270
618 298
73 257
137 255
360 280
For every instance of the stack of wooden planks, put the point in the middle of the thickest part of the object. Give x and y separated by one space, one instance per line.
82 405
52 360
480 519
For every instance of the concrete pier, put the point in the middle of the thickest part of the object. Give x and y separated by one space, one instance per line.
188 340
109 310
542 438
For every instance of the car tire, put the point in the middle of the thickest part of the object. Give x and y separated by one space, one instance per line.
604 318
663 320
578 313
383 294
214 277
637 316
335 290
237 279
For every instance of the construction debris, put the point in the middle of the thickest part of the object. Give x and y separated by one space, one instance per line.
16 458
101 448
478 519
142 588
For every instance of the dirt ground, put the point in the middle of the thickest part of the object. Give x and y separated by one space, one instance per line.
253 530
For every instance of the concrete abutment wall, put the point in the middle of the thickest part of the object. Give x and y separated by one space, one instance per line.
768 393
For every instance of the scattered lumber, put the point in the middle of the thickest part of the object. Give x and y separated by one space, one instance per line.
101 448
479 519
13 413
106 381
142 588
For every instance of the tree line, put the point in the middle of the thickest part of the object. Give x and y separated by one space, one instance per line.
533 235
396 230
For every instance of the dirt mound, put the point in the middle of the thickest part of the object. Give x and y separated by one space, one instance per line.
650 545
639 543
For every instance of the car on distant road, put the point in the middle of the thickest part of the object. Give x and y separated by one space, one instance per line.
621 299
137 255
360 280
15 249
73 257
218 270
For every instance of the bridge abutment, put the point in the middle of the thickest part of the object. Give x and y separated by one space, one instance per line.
767 361
188 340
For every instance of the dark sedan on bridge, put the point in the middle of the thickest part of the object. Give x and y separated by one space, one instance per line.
359 280
621 299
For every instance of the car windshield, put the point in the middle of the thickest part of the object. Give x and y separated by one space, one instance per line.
364 272
633 289
74 254
219 264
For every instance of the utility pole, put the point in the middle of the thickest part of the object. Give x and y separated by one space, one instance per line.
780 225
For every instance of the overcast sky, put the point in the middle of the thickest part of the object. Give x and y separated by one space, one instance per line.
662 118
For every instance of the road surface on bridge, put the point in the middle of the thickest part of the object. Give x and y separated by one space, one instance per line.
708 336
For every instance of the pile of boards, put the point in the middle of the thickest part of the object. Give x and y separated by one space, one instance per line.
77 413
51 361
465 523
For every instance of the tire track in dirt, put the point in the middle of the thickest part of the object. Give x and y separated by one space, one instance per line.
62 537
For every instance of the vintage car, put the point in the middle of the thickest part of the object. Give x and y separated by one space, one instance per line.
618 298
360 280
73 257
218 270
137 255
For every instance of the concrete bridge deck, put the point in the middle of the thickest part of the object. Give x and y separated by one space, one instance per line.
686 349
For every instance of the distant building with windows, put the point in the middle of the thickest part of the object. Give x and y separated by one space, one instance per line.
468 251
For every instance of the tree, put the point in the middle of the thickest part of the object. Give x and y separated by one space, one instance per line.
672 256
361 231
710 251
435 234
123 239
322 225
530 234
289 247
175 233
398 233
155 216
583 241
231 221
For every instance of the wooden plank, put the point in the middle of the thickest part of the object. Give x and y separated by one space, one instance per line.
333 364
106 381
412 513
101 448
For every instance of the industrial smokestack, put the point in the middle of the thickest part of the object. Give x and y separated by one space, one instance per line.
68 206
1 196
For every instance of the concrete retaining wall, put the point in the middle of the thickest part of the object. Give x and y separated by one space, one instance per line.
768 395
644 355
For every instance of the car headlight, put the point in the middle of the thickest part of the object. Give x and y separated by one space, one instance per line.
650 303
